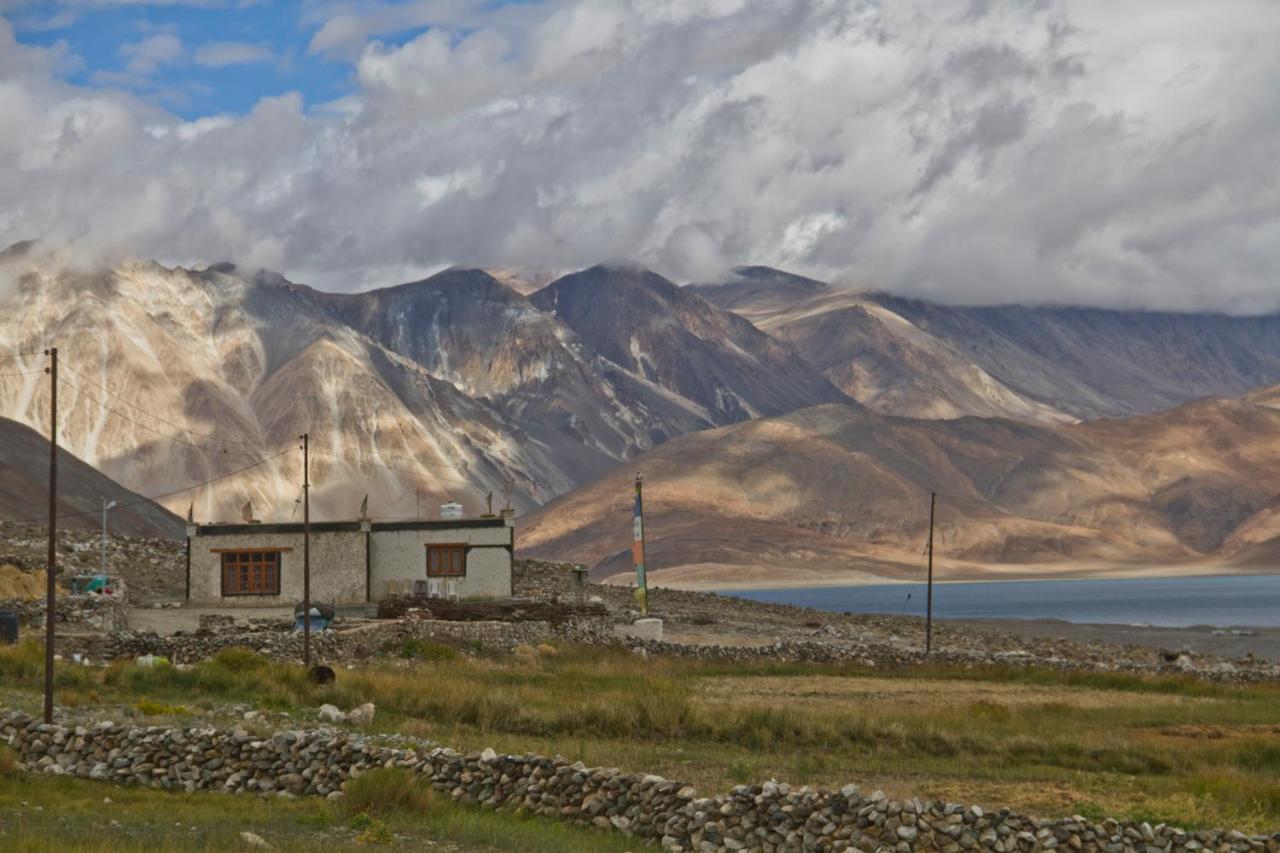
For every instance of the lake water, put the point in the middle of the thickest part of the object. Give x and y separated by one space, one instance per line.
1169 602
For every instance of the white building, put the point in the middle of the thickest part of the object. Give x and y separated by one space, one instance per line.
351 561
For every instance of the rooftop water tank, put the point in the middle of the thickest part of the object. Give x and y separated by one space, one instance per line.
451 511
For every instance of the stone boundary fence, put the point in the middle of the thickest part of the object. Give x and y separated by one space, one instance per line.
333 645
768 817
91 612
874 654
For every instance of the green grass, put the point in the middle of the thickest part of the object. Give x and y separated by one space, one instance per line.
1167 748
48 814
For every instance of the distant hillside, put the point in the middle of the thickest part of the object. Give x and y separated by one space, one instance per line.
910 357
832 491
24 490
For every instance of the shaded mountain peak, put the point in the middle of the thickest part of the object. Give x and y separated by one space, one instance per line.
672 337
753 291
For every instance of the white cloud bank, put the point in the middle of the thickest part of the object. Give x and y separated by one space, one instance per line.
1086 152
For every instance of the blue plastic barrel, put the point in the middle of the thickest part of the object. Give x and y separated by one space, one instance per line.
8 628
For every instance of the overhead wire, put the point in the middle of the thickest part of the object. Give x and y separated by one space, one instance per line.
102 404
153 498
154 416
413 459
419 474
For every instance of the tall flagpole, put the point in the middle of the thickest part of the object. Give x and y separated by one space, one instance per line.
637 550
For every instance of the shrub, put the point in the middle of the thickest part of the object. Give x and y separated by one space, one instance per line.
376 833
8 762
386 789
238 659
415 648
23 662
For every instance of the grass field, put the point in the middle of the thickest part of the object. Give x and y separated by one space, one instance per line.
54 815
1154 748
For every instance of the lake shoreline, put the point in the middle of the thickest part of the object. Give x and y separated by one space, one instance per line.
681 578
1262 642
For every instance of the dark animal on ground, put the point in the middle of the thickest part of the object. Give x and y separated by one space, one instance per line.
321 675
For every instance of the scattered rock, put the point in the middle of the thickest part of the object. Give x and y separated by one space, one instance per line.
362 715
331 714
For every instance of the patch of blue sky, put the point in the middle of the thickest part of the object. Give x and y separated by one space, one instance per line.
230 57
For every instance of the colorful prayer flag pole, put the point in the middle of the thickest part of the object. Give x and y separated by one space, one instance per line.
637 551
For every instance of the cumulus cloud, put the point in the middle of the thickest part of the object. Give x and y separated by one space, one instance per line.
147 55
1082 152
218 54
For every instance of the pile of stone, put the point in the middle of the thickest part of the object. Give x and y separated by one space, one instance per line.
767 817
543 579
154 569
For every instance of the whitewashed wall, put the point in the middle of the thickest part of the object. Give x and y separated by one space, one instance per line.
400 557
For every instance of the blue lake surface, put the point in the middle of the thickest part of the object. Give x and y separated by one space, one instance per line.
1170 602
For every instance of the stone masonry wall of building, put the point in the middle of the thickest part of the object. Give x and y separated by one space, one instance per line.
337 567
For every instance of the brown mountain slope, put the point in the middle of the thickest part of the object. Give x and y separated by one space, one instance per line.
868 352
24 490
834 491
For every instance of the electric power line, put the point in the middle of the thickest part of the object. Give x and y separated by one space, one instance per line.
23 373
160 497
149 414
20 354
102 404
418 474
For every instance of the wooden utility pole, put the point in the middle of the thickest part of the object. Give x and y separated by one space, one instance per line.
51 591
928 619
306 550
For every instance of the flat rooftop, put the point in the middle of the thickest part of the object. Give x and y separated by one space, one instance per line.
241 528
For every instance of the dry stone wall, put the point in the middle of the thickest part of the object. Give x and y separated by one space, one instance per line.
91 612
359 643
767 817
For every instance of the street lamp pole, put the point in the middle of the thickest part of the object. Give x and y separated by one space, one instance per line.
106 505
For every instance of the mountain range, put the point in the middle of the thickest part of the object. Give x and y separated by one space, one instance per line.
446 388
810 408
1043 363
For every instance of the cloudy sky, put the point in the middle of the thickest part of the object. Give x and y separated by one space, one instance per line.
1090 152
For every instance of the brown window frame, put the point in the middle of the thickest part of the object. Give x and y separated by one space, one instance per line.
457 550
260 568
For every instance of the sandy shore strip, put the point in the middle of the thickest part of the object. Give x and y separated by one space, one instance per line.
711 577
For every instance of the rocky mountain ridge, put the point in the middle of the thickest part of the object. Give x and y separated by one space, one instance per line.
446 388
1047 363
837 493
